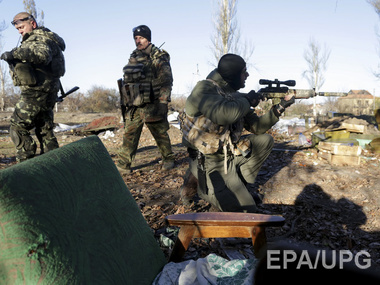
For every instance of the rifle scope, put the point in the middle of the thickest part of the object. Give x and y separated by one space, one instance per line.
277 82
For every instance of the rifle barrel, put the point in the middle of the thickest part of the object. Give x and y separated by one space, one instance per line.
299 93
64 95
72 90
309 93
332 94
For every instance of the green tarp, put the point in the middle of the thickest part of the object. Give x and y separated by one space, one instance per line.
66 217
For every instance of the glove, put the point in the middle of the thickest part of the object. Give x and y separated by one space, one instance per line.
162 109
280 107
7 56
254 98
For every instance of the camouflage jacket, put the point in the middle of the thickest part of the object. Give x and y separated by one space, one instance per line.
216 109
41 53
157 70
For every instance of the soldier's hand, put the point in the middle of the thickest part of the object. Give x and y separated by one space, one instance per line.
162 109
285 103
254 98
7 56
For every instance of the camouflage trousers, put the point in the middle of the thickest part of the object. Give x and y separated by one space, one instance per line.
132 132
31 113
228 191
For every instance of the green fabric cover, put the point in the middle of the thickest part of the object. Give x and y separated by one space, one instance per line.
67 217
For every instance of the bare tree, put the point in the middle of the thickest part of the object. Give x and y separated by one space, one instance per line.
316 58
2 84
226 38
3 26
376 5
30 7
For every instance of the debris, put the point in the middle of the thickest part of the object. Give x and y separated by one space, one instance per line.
288 175
65 128
344 159
108 134
173 119
341 154
340 148
302 140
353 128
337 134
375 144
102 124
290 126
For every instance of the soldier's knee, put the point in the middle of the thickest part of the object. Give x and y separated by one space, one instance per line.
264 141
268 140
22 139
16 136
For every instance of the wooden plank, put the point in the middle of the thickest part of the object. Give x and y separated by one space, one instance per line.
325 146
344 160
224 219
222 232
325 155
354 128
185 235
346 150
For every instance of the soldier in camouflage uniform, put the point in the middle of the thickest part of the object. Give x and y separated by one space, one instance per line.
224 163
147 85
35 67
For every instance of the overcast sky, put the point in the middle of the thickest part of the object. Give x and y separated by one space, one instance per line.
99 39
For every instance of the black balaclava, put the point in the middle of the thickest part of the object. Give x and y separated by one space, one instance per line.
230 67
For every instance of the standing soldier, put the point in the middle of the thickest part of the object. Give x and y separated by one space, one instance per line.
35 67
145 94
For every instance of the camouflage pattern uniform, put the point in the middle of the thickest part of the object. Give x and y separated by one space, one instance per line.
158 74
39 57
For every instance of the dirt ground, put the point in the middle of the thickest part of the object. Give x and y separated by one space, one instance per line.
325 206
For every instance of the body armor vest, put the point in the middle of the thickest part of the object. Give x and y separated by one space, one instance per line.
140 78
209 137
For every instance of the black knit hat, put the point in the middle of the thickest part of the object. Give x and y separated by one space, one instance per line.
230 67
142 31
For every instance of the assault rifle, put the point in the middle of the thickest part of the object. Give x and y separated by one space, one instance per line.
12 67
65 94
123 104
275 91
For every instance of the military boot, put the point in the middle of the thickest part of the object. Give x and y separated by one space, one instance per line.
124 168
255 193
168 164
189 188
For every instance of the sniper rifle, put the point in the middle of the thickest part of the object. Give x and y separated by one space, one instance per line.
275 91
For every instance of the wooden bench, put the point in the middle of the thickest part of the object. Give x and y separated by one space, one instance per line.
221 225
